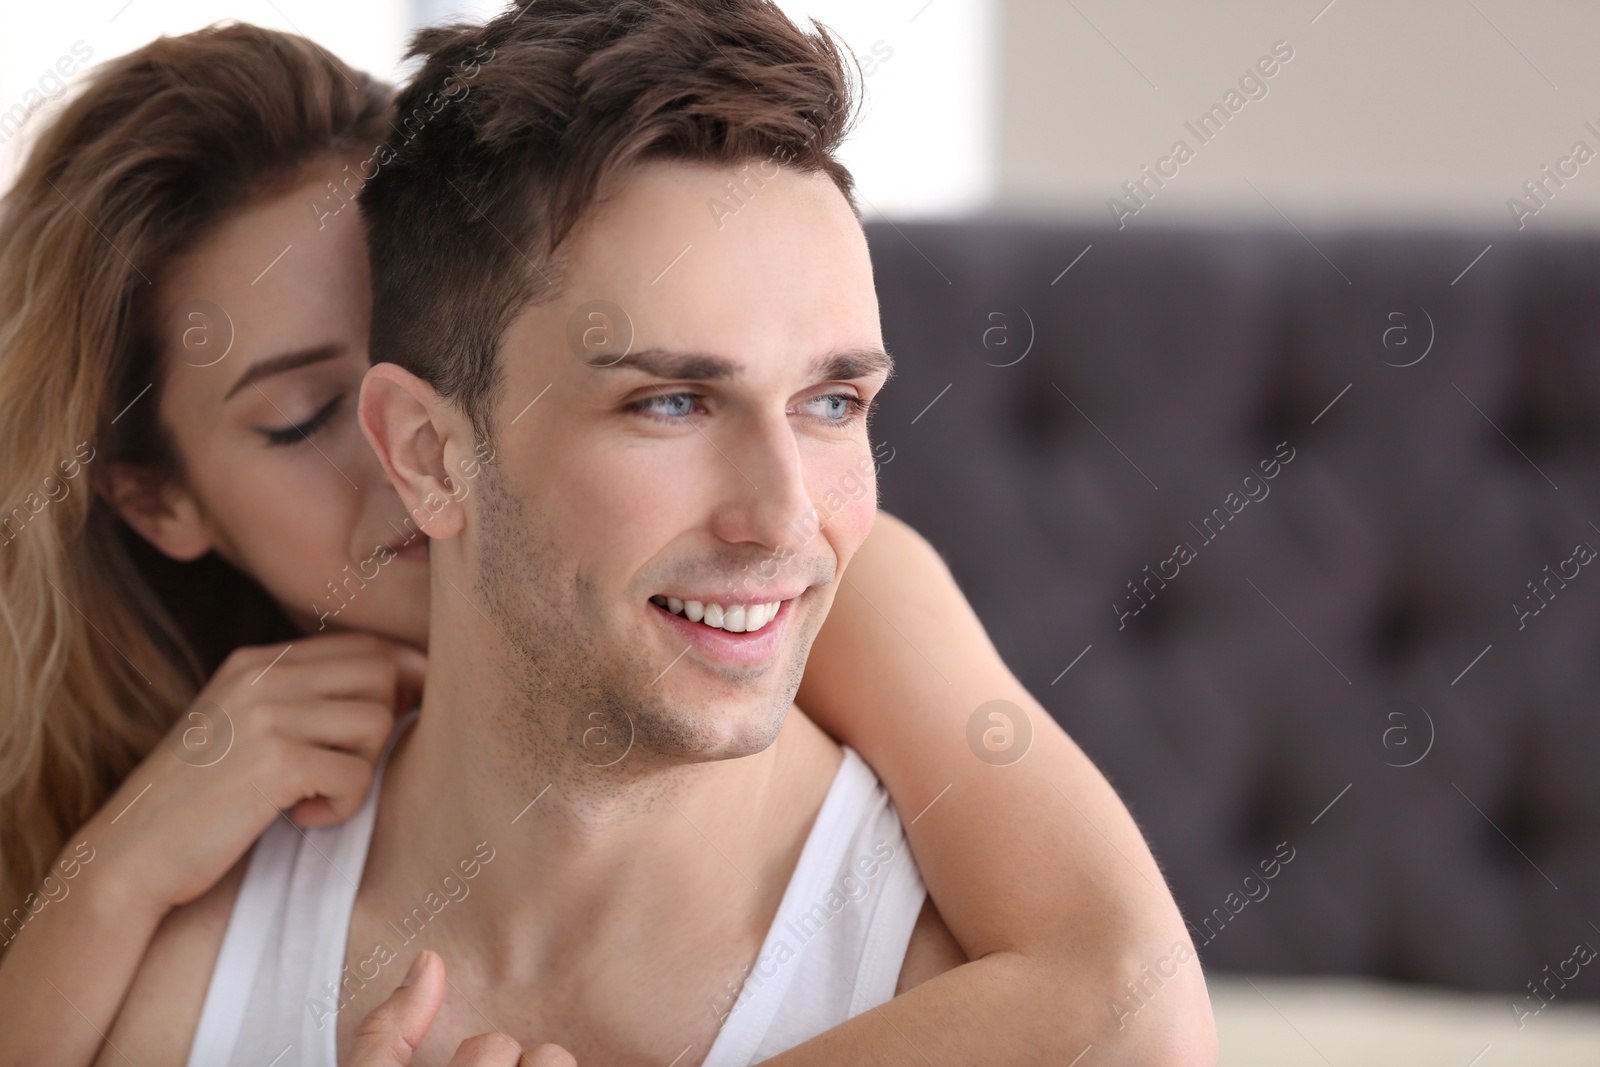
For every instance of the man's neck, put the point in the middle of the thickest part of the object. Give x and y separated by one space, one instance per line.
588 860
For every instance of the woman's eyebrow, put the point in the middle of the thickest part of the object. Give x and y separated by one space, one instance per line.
266 368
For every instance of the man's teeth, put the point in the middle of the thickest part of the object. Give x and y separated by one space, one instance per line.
737 619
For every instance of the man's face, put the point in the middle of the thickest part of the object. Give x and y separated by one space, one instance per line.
630 489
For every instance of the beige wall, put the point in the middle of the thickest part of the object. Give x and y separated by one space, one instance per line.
1390 111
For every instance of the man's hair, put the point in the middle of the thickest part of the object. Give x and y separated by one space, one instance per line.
510 133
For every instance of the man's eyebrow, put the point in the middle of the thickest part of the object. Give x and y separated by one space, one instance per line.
266 368
853 363
686 366
701 367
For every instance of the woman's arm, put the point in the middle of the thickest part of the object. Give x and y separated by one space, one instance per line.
1036 866
302 736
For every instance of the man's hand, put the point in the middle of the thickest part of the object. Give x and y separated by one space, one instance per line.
389 1036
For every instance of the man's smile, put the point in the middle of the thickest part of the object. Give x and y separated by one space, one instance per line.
721 631
732 616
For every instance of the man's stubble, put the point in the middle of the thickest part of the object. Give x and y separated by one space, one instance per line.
583 696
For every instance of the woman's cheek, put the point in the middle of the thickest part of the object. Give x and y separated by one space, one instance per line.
298 527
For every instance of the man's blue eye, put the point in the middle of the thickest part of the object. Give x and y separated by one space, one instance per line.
670 405
837 407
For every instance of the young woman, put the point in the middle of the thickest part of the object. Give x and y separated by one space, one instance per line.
183 323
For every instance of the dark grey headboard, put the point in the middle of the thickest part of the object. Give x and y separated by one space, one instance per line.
1287 645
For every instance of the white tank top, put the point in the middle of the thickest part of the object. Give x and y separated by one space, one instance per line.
834 949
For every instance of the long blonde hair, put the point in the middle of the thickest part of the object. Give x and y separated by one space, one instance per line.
102 641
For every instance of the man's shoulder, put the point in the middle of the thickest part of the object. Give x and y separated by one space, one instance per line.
932 949
157 1023
865 821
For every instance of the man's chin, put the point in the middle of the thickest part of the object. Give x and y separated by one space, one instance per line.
705 731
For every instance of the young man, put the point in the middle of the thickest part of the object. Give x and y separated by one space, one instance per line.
628 335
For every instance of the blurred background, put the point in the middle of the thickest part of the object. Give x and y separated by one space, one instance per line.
1430 112
1250 384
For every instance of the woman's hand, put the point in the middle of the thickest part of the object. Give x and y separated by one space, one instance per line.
390 1034
295 727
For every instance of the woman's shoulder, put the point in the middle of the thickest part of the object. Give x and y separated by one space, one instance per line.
159 1016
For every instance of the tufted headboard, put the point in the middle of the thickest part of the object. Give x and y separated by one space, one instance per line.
1293 535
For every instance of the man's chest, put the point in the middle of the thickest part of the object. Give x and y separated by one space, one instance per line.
622 1001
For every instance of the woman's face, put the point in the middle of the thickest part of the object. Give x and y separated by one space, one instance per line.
277 476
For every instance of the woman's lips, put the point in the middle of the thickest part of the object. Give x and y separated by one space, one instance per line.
412 549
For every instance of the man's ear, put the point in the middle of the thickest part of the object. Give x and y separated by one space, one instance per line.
408 425
159 509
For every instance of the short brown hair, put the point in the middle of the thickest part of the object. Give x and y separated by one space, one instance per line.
466 213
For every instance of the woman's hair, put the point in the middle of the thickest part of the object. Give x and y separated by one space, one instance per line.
102 640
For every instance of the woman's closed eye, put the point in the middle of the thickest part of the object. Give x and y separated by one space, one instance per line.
281 437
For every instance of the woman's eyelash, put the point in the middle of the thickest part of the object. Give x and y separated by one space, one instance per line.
293 435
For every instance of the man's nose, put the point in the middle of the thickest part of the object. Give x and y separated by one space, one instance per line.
765 500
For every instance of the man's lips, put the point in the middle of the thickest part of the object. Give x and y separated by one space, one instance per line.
734 616
748 649
413 548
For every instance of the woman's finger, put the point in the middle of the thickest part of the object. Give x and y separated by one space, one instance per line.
391 1032
411 662
308 772
551 1056
348 643
367 677
360 727
487 1050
